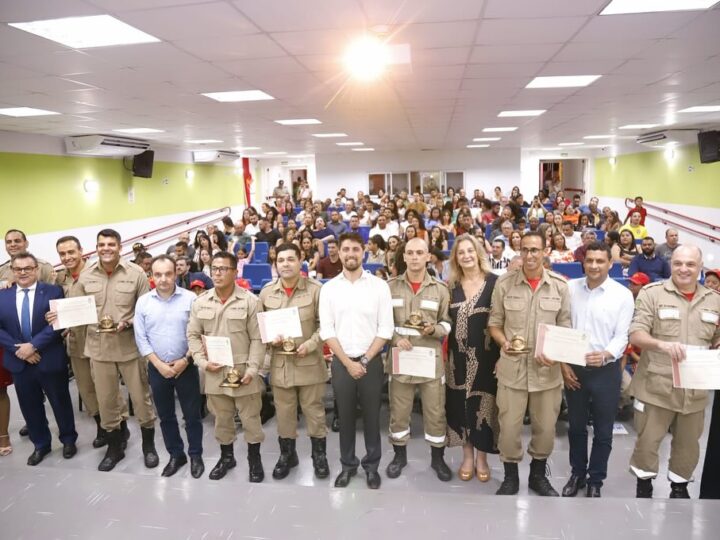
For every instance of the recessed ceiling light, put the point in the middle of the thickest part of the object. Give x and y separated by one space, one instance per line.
638 126
535 112
239 95
617 7
86 32
349 143
328 135
498 129
138 131
486 139
550 149
298 122
564 81
275 153
26 111
301 156
366 58
570 144
701 108
203 141
246 148
362 149
598 137
478 146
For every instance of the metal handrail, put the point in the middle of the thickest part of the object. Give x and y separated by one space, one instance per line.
630 203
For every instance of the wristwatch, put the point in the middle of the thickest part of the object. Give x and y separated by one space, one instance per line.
364 361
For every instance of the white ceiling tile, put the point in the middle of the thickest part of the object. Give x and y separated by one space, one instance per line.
283 16
436 35
15 43
492 71
610 49
231 47
132 5
487 54
64 62
37 10
398 12
501 9
440 57
321 42
633 27
528 31
263 67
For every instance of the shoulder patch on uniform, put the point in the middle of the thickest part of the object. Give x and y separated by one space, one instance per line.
556 275
269 284
440 282
313 281
653 284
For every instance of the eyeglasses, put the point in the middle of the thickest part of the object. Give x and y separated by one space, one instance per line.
24 269
220 269
531 251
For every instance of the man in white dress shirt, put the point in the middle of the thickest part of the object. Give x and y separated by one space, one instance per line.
356 320
603 309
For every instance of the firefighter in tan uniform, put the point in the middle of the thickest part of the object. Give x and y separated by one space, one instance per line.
416 293
670 316
231 311
71 256
521 300
116 286
16 242
298 377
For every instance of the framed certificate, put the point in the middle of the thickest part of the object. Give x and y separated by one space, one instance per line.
417 362
279 322
76 311
218 350
561 344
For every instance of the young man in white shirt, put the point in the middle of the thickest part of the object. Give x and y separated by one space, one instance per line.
356 320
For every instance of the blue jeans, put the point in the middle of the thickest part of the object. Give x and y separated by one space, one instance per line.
187 387
599 393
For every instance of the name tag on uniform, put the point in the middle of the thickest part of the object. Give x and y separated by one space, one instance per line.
431 305
709 316
668 313
398 302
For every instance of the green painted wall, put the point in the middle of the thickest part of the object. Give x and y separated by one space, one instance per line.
680 180
42 193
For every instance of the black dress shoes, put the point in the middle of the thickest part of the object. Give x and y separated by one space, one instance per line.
574 484
373 479
593 491
174 465
24 432
37 456
197 467
343 479
69 450
335 424
644 488
678 490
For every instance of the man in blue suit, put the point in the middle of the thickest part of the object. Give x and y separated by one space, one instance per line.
185 277
34 353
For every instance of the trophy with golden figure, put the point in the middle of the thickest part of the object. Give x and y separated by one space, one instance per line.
415 321
106 325
287 347
518 345
232 379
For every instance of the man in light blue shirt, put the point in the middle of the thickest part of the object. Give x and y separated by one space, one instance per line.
603 309
161 318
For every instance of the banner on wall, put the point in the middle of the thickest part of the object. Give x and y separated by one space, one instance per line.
247 178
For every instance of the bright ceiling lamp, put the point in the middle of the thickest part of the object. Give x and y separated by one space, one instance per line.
238 95
532 112
563 81
298 122
366 58
701 109
26 111
617 7
86 32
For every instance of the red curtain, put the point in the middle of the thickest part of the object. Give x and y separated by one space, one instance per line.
247 177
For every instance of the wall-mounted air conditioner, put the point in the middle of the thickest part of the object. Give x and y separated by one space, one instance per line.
105 145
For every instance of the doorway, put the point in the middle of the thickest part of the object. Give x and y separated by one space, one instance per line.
567 175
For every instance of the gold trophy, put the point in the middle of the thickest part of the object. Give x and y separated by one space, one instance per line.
518 345
232 379
106 325
415 321
287 346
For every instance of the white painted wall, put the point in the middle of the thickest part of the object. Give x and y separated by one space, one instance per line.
272 170
484 168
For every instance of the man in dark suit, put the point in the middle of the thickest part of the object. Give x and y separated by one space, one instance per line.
34 353
185 276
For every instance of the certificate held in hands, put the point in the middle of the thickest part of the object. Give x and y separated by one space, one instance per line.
76 311
699 371
561 344
417 362
279 322
218 350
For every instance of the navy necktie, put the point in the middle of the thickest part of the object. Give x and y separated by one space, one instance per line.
25 326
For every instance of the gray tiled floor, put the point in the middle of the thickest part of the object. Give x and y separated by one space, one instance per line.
70 499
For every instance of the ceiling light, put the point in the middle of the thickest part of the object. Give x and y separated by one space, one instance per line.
549 149
498 129
275 153
247 148
86 32
598 137
638 126
617 7
366 58
203 141
570 144
138 131
298 122
328 135
536 112
486 139
349 143
26 111
701 108
478 146
239 95
362 149
571 81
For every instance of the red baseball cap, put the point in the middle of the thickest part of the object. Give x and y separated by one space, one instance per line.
639 278
197 283
715 273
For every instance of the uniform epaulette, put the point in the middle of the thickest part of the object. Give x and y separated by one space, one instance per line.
202 294
394 278
440 282
269 283
557 275
653 284
314 281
